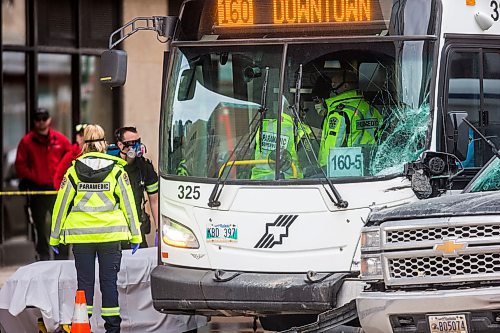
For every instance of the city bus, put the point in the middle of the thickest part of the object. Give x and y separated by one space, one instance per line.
249 229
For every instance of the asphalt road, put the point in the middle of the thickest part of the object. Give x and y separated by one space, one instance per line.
231 325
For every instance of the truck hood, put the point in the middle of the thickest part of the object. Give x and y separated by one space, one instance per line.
466 204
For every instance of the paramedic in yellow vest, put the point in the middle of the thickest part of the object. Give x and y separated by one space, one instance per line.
349 121
95 211
265 147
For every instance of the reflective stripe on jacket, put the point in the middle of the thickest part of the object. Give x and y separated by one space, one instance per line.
95 203
350 122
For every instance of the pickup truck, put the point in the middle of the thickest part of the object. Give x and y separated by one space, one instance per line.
434 265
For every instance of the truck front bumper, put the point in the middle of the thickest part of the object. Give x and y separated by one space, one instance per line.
210 292
406 311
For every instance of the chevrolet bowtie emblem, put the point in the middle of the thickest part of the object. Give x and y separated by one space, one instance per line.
450 247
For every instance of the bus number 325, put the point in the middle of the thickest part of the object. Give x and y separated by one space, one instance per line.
494 4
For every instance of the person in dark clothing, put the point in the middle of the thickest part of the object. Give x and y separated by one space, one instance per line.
38 155
143 177
69 157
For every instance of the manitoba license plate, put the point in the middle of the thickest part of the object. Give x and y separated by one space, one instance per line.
222 233
450 323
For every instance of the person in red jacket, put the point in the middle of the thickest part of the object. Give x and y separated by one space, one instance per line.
38 155
69 157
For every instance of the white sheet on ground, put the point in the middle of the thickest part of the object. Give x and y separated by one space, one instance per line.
47 289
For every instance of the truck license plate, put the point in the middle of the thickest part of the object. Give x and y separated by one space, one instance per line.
450 323
222 233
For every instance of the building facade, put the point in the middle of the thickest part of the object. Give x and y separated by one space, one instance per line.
50 58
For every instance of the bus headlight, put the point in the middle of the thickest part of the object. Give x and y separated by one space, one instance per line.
176 234
371 268
370 239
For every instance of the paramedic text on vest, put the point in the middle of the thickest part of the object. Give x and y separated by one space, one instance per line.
349 120
95 210
265 147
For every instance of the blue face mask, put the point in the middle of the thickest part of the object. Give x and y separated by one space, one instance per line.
136 149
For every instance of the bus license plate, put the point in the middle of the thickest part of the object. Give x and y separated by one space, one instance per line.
450 323
222 233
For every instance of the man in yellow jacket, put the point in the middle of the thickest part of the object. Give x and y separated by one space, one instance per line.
95 211
349 120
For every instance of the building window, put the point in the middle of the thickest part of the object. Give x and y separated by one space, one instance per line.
95 98
54 89
57 22
14 22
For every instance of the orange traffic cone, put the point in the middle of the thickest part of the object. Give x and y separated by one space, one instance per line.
80 322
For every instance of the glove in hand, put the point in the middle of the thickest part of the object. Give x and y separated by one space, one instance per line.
134 247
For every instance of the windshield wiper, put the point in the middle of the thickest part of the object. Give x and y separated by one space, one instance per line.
213 200
338 201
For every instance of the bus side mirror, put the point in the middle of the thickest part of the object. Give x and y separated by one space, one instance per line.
187 85
457 134
113 68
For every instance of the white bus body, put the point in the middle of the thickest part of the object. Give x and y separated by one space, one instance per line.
233 243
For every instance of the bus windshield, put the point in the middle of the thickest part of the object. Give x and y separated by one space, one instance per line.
362 109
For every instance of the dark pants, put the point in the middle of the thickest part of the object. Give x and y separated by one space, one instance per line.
40 206
109 256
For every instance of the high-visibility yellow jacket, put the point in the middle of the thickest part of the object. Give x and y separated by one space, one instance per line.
268 145
95 203
350 122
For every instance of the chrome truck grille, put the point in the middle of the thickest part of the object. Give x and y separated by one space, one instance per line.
425 234
444 250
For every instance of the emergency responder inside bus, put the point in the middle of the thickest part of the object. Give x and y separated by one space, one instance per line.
349 120
290 142
95 211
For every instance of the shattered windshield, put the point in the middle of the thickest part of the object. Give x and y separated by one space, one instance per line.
488 179
363 110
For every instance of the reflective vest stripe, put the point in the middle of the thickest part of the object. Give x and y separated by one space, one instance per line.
128 208
107 207
107 312
95 230
57 229
152 187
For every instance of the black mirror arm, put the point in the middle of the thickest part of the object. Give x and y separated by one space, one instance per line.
163 25
494 149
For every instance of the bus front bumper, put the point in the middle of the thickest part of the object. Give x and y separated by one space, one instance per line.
214 293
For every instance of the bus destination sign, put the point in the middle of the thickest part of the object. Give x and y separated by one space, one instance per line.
233 13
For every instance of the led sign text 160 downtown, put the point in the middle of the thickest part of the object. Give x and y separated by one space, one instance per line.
245 12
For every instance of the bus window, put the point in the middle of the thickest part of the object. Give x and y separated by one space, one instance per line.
491 87
215 97
377 122
463 95
473 87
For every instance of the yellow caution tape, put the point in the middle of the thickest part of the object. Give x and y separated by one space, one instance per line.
5 193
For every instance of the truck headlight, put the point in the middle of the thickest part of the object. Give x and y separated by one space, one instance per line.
176 234
370 239
371 267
